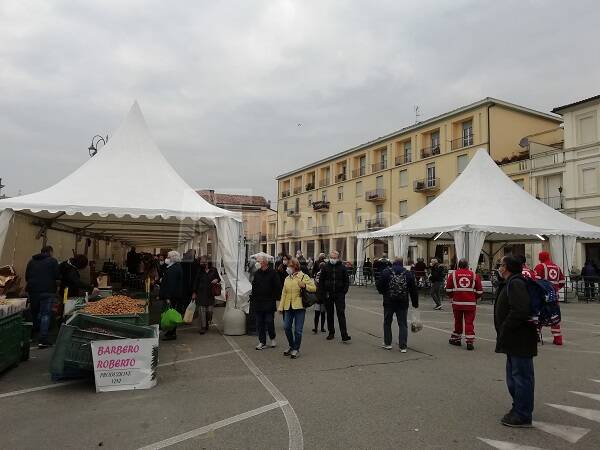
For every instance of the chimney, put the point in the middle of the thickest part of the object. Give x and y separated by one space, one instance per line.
211 196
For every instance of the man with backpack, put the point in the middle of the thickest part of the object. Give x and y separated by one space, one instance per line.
547 270
517 338
464 288
396 284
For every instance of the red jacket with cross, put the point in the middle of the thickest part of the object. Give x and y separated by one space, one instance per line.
464 288
547 270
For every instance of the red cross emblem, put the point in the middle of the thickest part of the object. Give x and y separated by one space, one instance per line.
553 274
464 282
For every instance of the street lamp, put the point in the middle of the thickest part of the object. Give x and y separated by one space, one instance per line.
560 189
93 148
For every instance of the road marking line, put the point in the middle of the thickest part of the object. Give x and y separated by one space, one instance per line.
212 427
585 394
296 438
590 414
503 445
595 381
197 358
568 433
39 388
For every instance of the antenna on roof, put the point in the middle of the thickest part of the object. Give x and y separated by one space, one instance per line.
1 186
417 114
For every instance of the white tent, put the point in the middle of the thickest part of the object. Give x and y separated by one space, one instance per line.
483 203
129 193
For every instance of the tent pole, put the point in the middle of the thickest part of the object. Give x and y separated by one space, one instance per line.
237 266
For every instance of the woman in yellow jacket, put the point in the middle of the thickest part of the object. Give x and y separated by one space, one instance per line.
291 305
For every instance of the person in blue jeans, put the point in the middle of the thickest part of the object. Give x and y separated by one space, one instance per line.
517 338
291 305
266 289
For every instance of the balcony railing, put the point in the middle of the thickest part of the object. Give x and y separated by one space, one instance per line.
428 152
382 165
427 185
285 193
262 237
542 160
309 186
324 182
297 189
362 171
291 234
378 195
293 212
323 229
462 142
375 224
553 202
340 177
271 237
320 205
403 159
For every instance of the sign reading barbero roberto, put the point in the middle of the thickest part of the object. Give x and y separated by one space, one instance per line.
125 364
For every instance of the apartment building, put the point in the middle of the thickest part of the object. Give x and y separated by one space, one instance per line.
324 205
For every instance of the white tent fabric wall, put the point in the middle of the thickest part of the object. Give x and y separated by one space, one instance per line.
404 242
6 218
468 244
360 257
562 250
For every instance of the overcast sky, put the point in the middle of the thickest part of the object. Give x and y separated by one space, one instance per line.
224 85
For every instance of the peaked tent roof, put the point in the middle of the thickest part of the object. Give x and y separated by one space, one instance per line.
483 198
129 176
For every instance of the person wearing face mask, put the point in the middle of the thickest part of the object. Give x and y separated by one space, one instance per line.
517 338
291 306
266 289
171 287
203 294
302 260
282 269
334 284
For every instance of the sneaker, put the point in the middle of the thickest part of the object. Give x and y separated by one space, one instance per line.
386 347
346 338
402 349
438 307
323 330
43 345
261 346
512 420
272 343
470 346
454 342
557 340
294 354
288 352
330 336
314 330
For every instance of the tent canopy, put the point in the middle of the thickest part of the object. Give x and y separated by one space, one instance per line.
483 198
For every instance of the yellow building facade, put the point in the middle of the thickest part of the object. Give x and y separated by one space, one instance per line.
323 205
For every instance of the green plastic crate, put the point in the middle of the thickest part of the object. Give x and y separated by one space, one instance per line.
72 355
26 328
11 335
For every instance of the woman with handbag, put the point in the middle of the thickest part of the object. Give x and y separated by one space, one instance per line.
292 305
207 286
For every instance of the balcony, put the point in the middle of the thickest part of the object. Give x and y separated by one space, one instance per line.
323 229
271 237
404 159
428 152
360 172
291 234
262 237
378 195
375 224
382 165
462 142
321 205
551 159
324 182
309 186
285 193
427 185
297 190
293 212
552 202
340 177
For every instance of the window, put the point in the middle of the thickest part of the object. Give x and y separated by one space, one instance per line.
285 205
407 152
379 212
586 128
358 215
435 139
309 222
324 196
429 199
362 166
297 206
431 175
359 189
383 158
310 199
379 182
589 180
340 218
462 161
403 178
403 208
520 182
467 134
284 226
341 193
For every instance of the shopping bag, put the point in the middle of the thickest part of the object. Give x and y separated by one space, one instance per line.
415 321
170 319
188 316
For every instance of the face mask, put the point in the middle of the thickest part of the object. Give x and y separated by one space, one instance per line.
284 262
161 262
290 271
333 261
168 261
257 266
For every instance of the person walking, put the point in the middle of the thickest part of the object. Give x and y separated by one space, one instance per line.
171 287
291 306
41 276
437 282
320 309
204 296
334 284
302 260
368 271
464 288
281 269
266 289
547 270
397 284
317 264
517 338
527 272
590 278
133 261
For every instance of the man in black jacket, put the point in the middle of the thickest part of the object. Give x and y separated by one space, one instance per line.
334 284
397 284
41 276
171 287
266 289
517 337
437 283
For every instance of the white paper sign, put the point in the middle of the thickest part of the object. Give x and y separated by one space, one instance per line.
125 364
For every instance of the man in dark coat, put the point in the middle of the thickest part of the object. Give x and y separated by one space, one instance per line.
206 278
266 289
437 283
41 276
517 337
399 279
334 284
171 287
70 277
133 261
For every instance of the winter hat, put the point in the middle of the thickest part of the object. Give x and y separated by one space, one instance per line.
544 257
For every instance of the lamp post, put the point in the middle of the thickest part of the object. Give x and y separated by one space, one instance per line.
560 189
93 148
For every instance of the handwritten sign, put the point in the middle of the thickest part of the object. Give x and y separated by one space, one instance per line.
125 364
